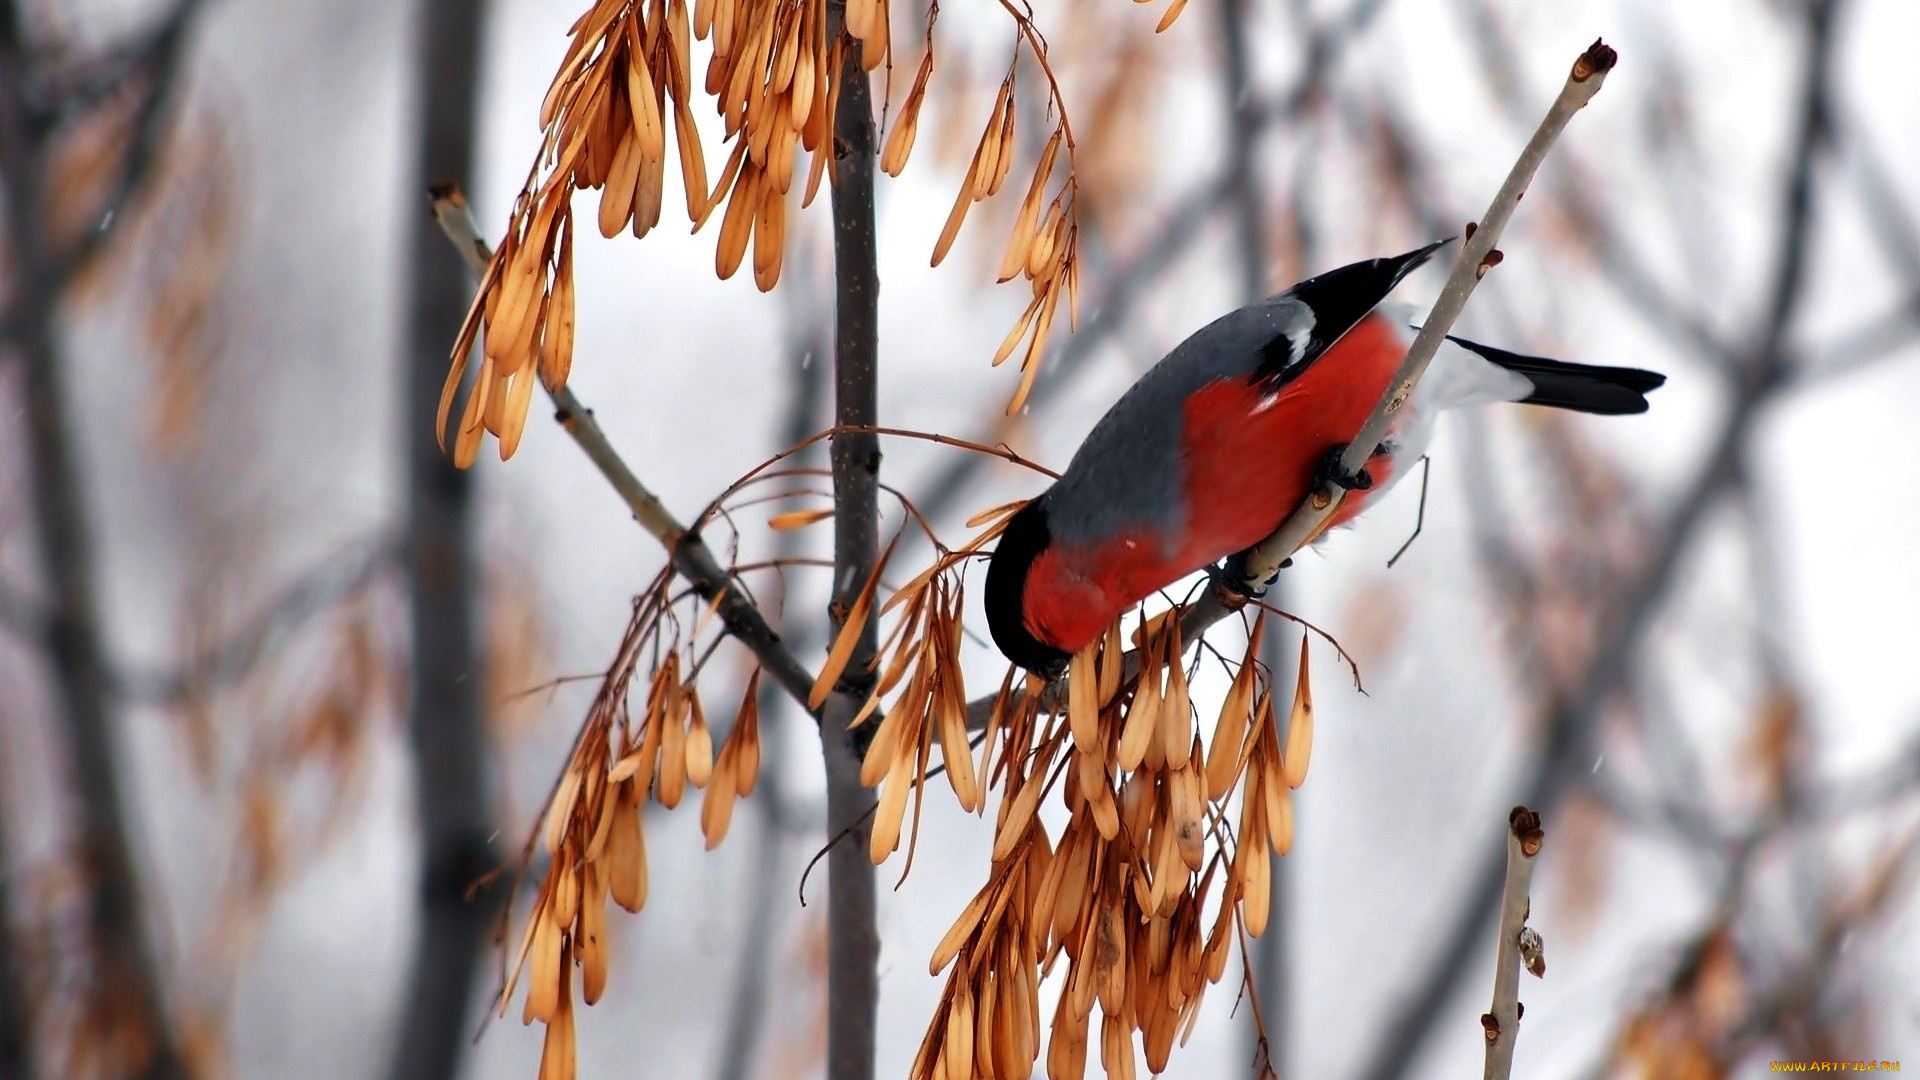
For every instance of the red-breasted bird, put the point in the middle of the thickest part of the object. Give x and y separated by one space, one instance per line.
1221 440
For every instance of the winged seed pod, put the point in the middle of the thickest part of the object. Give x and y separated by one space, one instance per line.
737 770
1299 726
893 157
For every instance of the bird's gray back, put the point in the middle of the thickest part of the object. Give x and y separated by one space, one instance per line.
1126 476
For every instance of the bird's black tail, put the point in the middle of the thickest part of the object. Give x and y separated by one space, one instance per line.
1588 388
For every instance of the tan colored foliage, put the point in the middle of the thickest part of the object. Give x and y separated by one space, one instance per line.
774 77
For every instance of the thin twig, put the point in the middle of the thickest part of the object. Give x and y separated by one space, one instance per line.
689 553
1571 721
338 578
1502 1024
1588 74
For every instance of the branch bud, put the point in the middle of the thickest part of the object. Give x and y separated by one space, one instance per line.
1597 60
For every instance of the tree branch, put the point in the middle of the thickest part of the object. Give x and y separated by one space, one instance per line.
852 933
1572 719
338 577
747 1011
1589 72
126 985
1243 145
690 555
447 727
1502 1024
18 1055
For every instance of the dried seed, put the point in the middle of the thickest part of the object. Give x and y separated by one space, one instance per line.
1299 726
899 144
959 1046
716 807
874 46
1018 816
1176 712
961 203
1279 816
560 811
627 854
958 933
591 942
558 1052
1018 332
1225 754
986 158
1144 713
556 339
1083 706
798 519
693 161
849 636
544 972
746 736
1021 241
769 238
737 226
892 808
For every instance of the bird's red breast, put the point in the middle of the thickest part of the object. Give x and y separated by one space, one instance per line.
1249 456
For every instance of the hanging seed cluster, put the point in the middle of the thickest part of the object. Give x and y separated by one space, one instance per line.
1142 892
593 831
774 75
1042 245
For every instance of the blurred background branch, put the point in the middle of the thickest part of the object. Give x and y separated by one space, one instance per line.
451 770
127 1001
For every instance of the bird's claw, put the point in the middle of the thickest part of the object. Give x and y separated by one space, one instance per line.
1332 475
1232 576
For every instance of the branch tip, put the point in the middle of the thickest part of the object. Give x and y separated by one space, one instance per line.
1597 60
1522 821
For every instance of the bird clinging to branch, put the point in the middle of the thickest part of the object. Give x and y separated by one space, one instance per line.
1220 441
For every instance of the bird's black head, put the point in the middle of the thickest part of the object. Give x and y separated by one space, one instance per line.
1025 538
1340 298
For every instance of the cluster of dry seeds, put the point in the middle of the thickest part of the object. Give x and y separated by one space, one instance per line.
1124 895
774 74
593 832
1041 247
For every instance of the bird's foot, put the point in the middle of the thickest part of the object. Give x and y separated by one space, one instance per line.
1332 475
1231 577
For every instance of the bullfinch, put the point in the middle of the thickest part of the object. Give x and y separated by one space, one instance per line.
1222 439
